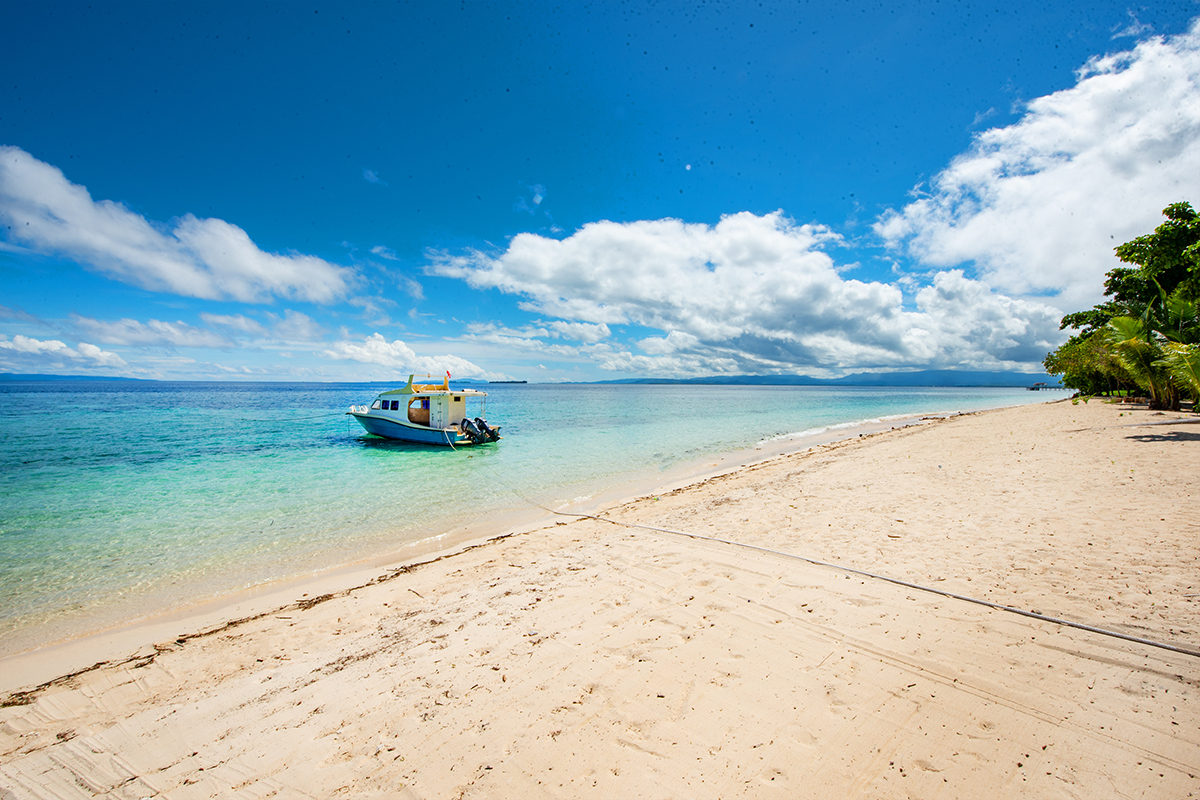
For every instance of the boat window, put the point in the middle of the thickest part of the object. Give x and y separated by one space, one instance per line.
458 399
395 405
375 404
418 411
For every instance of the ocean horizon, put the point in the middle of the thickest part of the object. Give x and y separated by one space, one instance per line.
125 499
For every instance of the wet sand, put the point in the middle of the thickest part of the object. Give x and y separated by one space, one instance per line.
587 658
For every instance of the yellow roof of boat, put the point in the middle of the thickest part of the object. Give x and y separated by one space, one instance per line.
430 388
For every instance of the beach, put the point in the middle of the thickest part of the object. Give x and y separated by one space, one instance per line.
730 637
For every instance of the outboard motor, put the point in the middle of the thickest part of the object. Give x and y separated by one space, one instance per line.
482 425
477 436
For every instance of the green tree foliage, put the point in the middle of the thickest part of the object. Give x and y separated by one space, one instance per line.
1132 340
1086 364
1146 334
1183 363
1169 257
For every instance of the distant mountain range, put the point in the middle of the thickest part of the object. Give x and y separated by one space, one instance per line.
932 377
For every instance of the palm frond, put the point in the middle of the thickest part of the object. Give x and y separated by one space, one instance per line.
1182 363
1133 342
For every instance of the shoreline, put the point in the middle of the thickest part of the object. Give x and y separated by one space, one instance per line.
586 657
89 645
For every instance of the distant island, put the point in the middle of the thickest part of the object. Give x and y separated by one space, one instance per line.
508 381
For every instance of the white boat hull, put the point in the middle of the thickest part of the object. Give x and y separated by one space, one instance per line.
426 414
391 428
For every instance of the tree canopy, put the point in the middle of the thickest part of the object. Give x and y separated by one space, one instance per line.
1147 334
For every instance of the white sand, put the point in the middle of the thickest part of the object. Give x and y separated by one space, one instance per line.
590 659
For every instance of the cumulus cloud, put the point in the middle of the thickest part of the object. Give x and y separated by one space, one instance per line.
673 342
205 258
963 322
1039 205
23 352
654 272
749 294
586 332
152 333
401 358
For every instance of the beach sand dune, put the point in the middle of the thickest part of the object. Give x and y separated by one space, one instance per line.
594 659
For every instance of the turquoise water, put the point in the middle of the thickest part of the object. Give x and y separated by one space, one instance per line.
120 498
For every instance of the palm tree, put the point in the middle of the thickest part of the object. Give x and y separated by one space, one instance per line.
1135 345
1182 362
1161 347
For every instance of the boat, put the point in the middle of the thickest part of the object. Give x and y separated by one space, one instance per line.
428 414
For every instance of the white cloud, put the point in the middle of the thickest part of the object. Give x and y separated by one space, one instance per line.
967 324
410 287
586 332
1039 205
16 314
24 344
496 333
152 333
654 272
682 366
296 327
23 352
750 294
400 358
373 309
533 339
674 342
405 283
204 258
101 358
239 322
1133 28
292 326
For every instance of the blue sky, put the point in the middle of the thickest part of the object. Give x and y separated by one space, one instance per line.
575 191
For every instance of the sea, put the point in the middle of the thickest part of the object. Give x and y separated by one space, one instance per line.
123 499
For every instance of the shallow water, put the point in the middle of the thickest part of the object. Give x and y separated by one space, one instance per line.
121 498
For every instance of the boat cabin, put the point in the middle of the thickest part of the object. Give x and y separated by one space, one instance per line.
429 405
429 414
440 410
